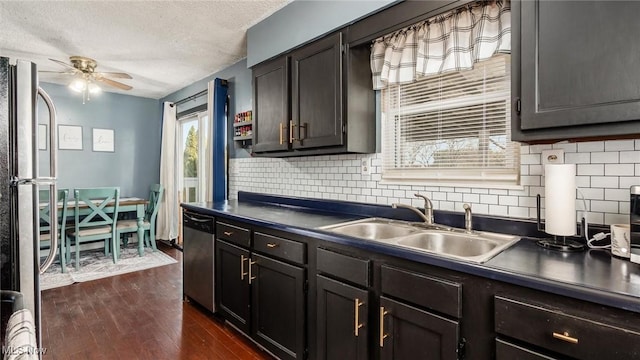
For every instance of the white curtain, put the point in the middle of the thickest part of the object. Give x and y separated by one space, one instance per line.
453 41
169 210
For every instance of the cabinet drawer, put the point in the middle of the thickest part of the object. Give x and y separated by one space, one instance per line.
563 333
437 294
233 234
508 351
343 266
279 247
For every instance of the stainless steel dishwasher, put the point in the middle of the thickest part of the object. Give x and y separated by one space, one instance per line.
198 258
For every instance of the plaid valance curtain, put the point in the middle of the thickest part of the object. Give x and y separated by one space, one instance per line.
450 42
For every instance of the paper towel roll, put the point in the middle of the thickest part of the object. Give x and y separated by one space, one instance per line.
560 199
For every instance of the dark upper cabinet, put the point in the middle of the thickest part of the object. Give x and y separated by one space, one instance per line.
575 69
342 321
329 102
271 105
317 94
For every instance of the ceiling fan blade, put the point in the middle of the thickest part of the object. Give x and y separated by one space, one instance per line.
58 72
63 64
114 83
119 75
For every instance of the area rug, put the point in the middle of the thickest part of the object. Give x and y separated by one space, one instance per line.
95 265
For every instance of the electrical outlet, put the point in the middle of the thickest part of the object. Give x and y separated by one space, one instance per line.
555 156
365 166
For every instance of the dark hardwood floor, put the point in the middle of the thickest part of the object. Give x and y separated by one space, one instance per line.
138 315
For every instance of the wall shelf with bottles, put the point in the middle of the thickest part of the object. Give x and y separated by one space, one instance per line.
243 127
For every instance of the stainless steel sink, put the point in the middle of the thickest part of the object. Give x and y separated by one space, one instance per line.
476 246
372 229
473 246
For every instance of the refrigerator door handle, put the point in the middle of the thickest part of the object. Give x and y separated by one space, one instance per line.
53 228
53 134
53 188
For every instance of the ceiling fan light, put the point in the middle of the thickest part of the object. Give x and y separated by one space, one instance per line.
94 88
78 85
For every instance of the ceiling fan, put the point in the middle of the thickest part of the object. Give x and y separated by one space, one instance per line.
86 76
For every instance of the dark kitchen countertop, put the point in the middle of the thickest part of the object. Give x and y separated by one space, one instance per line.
593 275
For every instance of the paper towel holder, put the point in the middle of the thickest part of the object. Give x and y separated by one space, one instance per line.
559 243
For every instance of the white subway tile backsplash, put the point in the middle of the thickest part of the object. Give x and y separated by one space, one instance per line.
611 157
604 181
629 157
528 159
616 219
498 210
566 146
618 169
604 206
583 169
619 145
508 200
628 181
590 146
606 170
616 194
489 199
471 198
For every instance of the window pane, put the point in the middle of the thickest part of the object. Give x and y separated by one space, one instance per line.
445 126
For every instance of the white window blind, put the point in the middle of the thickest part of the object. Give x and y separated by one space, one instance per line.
451 128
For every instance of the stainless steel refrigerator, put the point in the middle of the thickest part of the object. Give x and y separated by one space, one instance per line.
20 264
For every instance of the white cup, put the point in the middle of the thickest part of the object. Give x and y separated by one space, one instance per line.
620 240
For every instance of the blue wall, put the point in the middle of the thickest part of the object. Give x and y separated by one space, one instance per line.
301 21
239 78
136 121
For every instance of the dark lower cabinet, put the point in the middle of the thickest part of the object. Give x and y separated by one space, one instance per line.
342 325
509 351
233 284
408 333
277 301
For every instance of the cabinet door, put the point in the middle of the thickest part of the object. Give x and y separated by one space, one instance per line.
277 299
408 333
579 65
271 106
343 313
317 94
232 284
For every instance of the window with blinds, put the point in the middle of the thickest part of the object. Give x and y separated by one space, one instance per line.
451 128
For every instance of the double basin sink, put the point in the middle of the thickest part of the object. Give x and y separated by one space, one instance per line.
474 246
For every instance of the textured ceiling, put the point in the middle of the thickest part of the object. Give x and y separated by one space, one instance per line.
163 45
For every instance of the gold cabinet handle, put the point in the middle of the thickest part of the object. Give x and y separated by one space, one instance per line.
242 273
356 320
281 126
382 334
250 276
272 245
565 337
291 127
228 233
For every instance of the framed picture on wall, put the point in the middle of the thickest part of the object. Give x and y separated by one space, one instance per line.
42 137
69 137
103 140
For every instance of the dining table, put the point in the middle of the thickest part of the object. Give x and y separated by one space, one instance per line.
133 205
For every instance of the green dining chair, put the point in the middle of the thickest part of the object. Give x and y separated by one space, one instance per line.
45 222
96 214
146 230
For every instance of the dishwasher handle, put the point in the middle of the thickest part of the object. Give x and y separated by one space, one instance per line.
198 222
